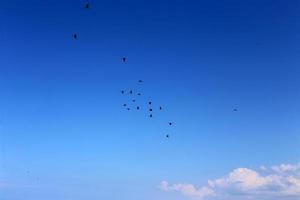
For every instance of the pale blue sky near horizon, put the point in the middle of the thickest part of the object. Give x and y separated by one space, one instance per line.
64 133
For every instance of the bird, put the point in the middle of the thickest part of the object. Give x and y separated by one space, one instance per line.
133 100
124 104
87 5
122 91
139 94
167 136
235 110
130 92
170 123
75 36
140 81
150 102
124 59
160 108
137 107
128 108
150 110
150 115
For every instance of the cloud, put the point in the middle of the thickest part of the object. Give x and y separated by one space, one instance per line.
187 189
277 182
287 168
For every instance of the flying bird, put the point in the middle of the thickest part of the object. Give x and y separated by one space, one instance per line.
137 107
128 108
150 110
75 36
160 108
170 123
124 104
122 91
150 115
140 81
133 100
167 136
150 102
130 92
124 59
87 5
139 94
235 110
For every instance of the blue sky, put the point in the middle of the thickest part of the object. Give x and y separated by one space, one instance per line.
65 135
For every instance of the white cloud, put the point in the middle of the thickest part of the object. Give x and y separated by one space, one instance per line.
278 182
287 168
187 189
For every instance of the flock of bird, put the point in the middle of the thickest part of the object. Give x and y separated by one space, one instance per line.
133 104
131 92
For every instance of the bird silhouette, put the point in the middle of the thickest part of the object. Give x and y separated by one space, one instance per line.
139 94
87 5
150 109
122 91
150 115
124 104
133 100
170 123
140 81
137 107
128 108
124 59
130 92
75 36
235 110
167 136
150 102
160 108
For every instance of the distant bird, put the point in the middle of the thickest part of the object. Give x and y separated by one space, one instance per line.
150 115
160 108
75 36
122 91
130 92
133 100
128 108
139 94
167 136
124 104
137 107
235 110
87 6
150 110
170 123
150 102
140 81
124 59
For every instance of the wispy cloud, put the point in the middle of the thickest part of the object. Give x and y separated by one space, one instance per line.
277 182
188 190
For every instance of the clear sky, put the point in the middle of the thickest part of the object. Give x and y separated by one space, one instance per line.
64 134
